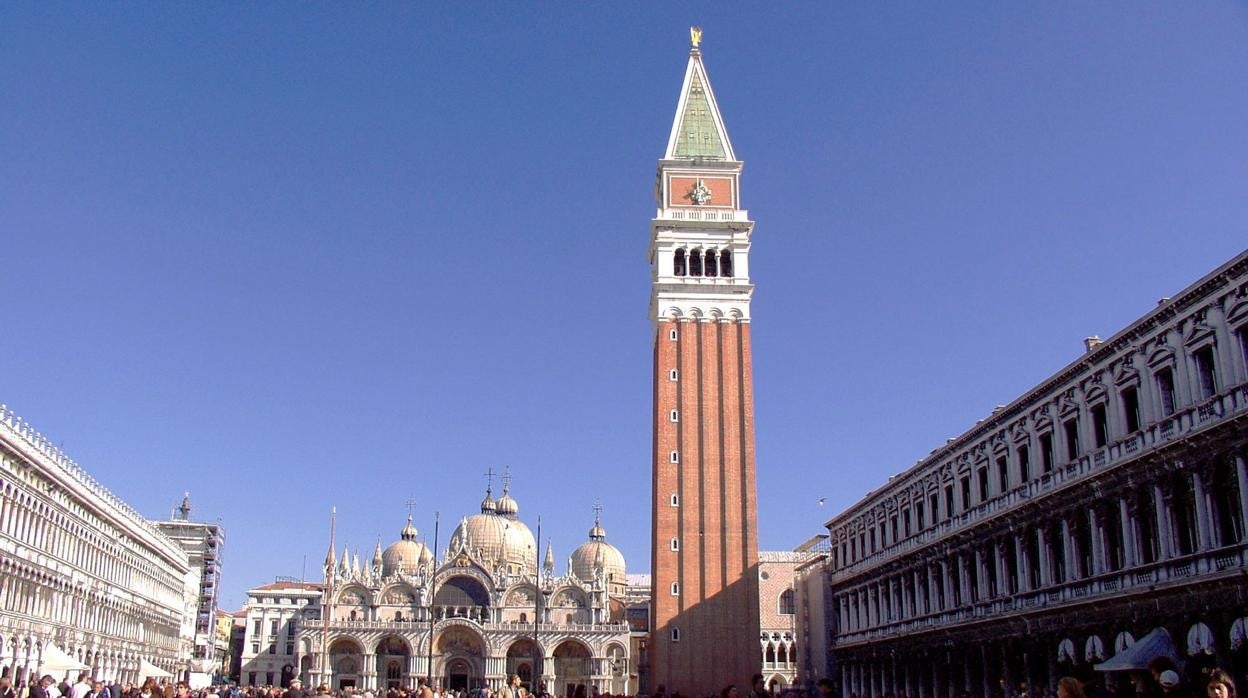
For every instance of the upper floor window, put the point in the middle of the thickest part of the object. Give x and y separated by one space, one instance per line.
1131 409
678 263
918 515
983 484
1003 474
1242 333
695 263
1206 376
1046 451
1071 427
788 606
725 267
712 264
1100 425
1165 391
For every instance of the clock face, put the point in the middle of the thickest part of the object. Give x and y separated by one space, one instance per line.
699 194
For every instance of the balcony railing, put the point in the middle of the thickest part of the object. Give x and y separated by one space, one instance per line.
1181 423
1180 571
714 215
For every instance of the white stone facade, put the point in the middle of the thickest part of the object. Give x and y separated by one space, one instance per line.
80 570
1108 501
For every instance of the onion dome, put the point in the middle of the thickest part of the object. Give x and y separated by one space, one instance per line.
597 553
507 506
488 505
406 555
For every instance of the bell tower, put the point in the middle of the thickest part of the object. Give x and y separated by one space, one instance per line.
704 600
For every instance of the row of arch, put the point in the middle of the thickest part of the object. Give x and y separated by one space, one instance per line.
21 657
461 638
699 262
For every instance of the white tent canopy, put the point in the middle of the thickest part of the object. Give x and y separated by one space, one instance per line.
55 661
1156 643
150 671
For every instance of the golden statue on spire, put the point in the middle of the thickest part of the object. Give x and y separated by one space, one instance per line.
695 36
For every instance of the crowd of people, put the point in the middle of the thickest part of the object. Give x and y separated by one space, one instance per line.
1163 679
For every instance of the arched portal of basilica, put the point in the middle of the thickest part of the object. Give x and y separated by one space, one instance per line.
487 609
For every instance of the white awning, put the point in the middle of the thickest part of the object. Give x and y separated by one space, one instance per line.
148 670
1094 649
1239 633
55 661
1199 640
1136 657
1066 651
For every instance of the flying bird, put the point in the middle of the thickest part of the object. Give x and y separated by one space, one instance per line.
822 500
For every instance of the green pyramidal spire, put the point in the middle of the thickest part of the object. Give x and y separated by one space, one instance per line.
698 131
698 135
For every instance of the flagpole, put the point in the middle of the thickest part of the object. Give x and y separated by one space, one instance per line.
432 588
329 600
537 608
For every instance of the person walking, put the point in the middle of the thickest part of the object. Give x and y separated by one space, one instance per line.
1220 685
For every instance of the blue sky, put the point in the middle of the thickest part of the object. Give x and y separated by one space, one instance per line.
291 256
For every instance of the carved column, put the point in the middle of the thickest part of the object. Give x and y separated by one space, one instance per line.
1129 558
1241 478
1094 533
1024 570
1042 544
1204 525
1165 543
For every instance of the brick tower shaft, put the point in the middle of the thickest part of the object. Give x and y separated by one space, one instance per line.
704 604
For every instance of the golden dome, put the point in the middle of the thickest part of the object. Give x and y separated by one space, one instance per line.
497 540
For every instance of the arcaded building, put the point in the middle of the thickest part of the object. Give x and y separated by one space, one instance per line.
1103 504
84 579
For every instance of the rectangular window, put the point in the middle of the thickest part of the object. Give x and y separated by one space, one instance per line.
893 528
290 648
1206 375
273 648
251 678
905 522
673 335
272 627
1131 409
675 500
1024 464
255 648
675 589
983 484
873 547
674 416
948 501
1165 390
290 630
674 544
1003 474
673 375
268 678
1100 426
255 627
966 492
1071 429
918 515
1046 452
1242 333
674 457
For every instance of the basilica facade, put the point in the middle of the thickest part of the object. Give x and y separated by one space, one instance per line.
481 611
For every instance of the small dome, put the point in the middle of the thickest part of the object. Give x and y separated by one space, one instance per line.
594 553
507 506
406 555
488 505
